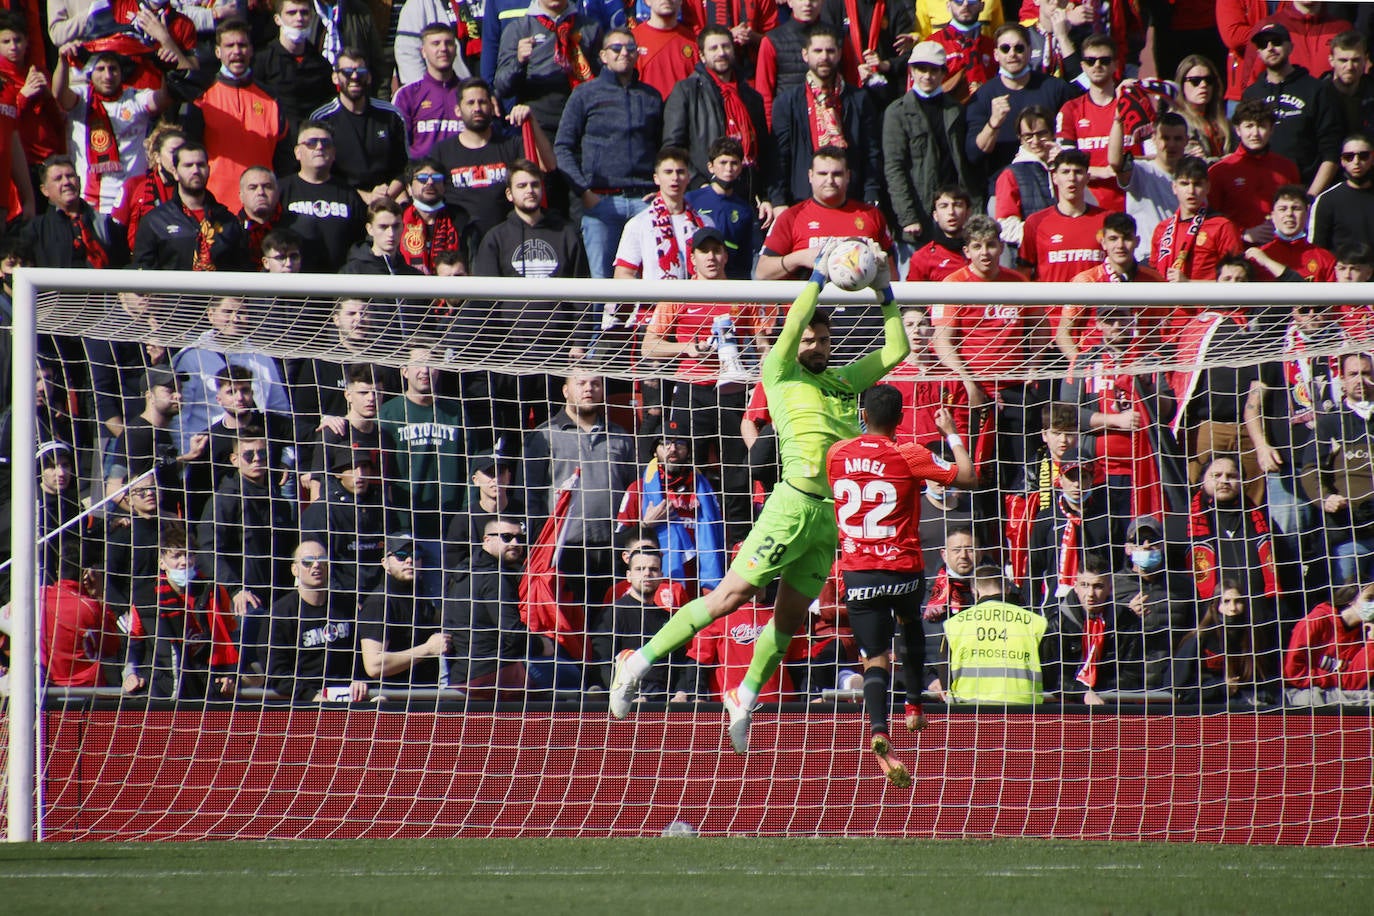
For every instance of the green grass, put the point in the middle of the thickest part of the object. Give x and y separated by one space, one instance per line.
661 876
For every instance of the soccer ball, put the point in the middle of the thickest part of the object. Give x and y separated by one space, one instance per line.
852 265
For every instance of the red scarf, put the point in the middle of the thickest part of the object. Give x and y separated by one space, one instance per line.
823 112
1068 548
102 149
467 28
86 246
421 240
1094 636
673 263
947 596
257 231
205 234
738 124
567 50
1185 245
855 40
1205 558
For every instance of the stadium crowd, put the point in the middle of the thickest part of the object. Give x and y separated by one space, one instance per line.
326 525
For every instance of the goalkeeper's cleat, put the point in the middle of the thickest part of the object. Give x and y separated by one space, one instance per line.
895 772
915 718
624 685
881 744
740 717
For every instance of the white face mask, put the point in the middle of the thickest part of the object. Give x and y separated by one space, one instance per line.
295 35
181 577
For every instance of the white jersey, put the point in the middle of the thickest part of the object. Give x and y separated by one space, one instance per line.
129 117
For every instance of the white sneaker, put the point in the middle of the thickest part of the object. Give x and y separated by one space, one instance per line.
740 717
624 685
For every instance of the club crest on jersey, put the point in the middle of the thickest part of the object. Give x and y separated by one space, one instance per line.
746 634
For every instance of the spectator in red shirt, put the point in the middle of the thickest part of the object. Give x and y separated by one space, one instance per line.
1061 241
1290 249
970 59
667 49
1325 646
79 628
1243 183
944 253
1086 120
1190 244
1118 239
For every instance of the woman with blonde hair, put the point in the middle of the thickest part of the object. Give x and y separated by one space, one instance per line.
1201 103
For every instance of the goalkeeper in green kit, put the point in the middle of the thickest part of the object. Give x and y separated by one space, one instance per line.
813 406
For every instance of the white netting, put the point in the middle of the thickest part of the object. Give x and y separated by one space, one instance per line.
507 732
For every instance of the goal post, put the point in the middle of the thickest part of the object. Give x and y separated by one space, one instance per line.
485 756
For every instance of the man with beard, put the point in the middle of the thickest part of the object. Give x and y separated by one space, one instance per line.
147 441
193 230
327 211
109 122
311 638
400 634
1338 473
813 406
370 134
1344 213
477 160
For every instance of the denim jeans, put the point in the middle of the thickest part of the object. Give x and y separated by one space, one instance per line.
601 229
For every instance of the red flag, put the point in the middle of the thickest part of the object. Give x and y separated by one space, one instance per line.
545 606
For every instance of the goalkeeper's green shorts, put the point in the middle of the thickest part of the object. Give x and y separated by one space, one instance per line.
795 538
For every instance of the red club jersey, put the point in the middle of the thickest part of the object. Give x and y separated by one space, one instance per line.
1216 238
922 396
1061 247
991 339
878 486
1086 125
726 647
812 224
934 262
685 322
1243 185
666 56
1302 256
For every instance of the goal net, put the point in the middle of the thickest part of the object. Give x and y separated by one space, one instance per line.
352 557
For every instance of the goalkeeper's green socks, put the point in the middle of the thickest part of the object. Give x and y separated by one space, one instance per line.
676 633
769 650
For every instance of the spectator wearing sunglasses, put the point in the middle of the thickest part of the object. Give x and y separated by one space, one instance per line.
1307 118
400 632
312 640
369 135
1344 213
992 139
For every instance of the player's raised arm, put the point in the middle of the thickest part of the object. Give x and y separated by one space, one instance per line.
799 315
871 367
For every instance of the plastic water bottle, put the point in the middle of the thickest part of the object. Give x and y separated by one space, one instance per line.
727 351
679 828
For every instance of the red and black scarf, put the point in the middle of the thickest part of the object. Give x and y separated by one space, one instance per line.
1069 544
257 231
421 240
1186 243
1204 555
102 146
567 50
205 234
85 246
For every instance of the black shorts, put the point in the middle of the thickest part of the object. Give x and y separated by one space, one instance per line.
875 600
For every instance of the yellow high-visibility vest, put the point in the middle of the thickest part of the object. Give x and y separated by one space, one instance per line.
994 654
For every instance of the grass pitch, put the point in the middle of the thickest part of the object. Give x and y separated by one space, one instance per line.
680 875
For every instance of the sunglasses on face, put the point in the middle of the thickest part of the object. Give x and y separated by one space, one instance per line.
506 537
352 73
1357 155
1036 135
312 560
429 178
1263 43
317 143
1199 80
1012 49
1098 61
621 47
253 454
401 555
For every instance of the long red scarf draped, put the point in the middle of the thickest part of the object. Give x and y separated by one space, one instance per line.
205 235
1068 548
856 41
102 148
1204 555
673 262
1186 243
823 112
86 246
567 49
1094 636
738 124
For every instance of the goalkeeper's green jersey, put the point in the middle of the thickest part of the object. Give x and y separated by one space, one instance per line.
811 411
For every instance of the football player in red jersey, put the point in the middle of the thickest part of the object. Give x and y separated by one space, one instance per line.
878 486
